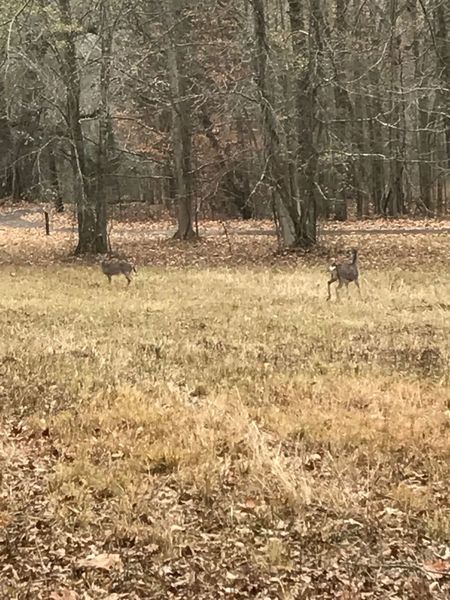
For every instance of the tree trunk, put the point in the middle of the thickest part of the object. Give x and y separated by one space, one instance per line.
359 168
177 22
307 125
376 142
92 235
422 137
394 200
296 209
105 131
376 145
442 18
442 22
424 155
344 112
5 145
288 210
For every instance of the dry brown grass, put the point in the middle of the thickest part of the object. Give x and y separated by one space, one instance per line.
225 431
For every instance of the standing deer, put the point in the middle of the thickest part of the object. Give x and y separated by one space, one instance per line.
344 273
118 267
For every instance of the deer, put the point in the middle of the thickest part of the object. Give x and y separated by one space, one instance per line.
344 273
118 267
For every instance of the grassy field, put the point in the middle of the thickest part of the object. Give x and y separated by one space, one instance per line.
212 433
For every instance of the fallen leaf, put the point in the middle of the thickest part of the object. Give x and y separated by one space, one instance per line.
101 561
250 503
437 568
64 594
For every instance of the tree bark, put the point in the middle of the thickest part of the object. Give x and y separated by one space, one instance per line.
442 22
105 131
344 112
376 142
307 50
177 22
289 213
442 19
5 144
394 200
359 170
92 234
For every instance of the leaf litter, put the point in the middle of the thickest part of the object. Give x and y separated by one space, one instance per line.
245 243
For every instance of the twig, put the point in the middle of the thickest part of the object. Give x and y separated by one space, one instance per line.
407 566
259 182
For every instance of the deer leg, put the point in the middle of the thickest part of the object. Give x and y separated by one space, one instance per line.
128 280
359 289
109 278
330 283
340 284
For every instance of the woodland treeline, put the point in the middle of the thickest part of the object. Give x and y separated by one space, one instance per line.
297 109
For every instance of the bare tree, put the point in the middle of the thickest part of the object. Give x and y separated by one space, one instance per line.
92 232
177 19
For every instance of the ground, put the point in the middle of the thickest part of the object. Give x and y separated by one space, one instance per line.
218 430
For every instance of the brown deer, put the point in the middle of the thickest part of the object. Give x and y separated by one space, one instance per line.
118 267
344 273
